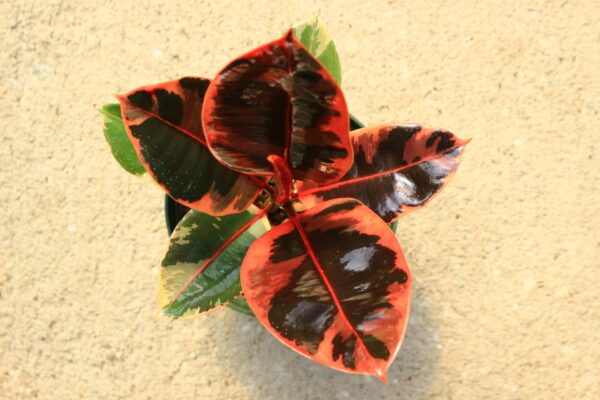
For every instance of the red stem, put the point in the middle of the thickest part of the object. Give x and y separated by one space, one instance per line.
283 179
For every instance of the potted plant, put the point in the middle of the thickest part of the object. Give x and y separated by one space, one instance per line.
281 210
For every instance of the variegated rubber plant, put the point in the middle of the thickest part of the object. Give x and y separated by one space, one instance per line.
290 211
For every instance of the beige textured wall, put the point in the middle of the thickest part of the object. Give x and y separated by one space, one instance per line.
505 260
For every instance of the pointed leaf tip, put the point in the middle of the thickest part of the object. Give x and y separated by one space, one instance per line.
381 375
290 34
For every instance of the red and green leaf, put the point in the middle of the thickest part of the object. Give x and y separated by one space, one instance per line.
332 284
164 124
201 268
279 100
397 169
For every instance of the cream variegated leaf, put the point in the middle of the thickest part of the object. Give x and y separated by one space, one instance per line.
201 268
315 38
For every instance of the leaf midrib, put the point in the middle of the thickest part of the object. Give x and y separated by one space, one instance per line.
258 182
172 125
338 184
294 217
207 262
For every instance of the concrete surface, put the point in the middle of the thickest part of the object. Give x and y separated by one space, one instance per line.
505 260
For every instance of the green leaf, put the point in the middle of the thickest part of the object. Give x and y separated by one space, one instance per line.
240 304
120 145
393 226
316 39
201 269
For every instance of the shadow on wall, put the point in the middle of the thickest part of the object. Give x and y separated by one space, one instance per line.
269 370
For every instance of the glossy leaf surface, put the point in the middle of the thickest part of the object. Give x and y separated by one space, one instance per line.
332 283
164 124
397 169
116 136
315 38
278 100
201 267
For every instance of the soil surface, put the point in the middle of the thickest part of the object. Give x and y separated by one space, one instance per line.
505 260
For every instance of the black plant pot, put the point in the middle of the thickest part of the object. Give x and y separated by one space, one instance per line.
174 212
